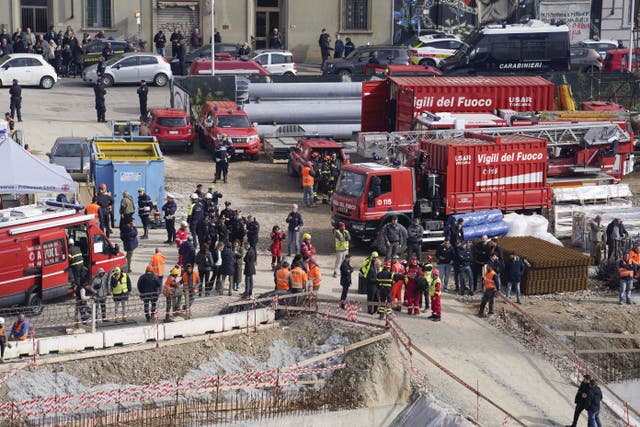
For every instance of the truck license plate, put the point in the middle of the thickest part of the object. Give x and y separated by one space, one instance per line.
173 132
239 150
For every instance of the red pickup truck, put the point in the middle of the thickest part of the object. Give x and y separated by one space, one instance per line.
301 154
218 118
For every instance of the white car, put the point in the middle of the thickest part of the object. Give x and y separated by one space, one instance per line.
601 46
131 68
29 69
430 51
276 61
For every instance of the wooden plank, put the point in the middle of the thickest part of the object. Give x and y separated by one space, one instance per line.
345 349
590 334
268 299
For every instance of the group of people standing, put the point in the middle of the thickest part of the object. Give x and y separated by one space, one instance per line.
341 48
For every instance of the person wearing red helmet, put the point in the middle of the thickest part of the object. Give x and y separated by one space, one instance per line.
398 270
435 292
385 280
411 292
427 268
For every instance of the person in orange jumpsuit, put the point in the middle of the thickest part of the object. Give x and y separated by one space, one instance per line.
398 269
434 293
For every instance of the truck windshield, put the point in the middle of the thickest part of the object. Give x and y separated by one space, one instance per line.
231 121
350 184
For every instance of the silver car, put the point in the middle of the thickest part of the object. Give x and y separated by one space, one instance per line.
276 61
71 152
131 68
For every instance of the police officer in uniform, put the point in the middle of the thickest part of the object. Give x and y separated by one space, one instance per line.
15 91
144 210
385 280
223 153
143 94
99 92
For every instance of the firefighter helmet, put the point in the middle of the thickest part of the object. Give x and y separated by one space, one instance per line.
306 236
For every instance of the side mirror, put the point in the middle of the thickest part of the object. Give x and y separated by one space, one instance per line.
255 124
118 67
6 67
208 123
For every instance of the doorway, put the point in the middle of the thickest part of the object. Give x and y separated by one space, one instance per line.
267 17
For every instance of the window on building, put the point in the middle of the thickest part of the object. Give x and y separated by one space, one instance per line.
98 13
355 15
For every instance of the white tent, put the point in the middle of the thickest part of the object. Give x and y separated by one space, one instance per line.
24 173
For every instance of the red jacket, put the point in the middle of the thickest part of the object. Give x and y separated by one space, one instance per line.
276 243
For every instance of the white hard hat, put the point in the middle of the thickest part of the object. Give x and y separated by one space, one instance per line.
71 241
1 320
194 196
208 196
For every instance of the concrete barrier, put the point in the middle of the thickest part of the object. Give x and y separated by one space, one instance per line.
247 318
135 335
70 343
193 327
18 349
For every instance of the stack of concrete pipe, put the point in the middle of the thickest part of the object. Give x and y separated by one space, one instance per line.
327 108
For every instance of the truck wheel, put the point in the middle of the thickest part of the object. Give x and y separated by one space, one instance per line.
34 304
161 80
108 80
290 170
429 62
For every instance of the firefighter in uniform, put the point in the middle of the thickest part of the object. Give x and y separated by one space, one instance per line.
83 294
385 280
316 163
369 273
428 269
145 205
120 286
334 168
324 181
412 294
398 270
435 291
172 291
76 263
489 284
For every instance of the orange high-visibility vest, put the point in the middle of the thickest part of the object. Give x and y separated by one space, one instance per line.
157 263
488 280
314 275
170 286
195 280
282 279
307 179
298 278
625 272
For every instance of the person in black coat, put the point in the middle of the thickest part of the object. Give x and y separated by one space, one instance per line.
514 270
226 269
160 40
275 39
581 399
180 52
456 235
169 209
99 92
143 95
129 237
345 278
594 398
149 287
15 104
249 269
349 47
253 230
187 252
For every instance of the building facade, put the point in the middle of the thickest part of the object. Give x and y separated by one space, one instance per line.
300 21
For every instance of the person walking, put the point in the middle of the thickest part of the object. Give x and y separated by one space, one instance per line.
149 287
581 399
342 238
295 223
490 286
143 95
594 398
15 100
445 255
100 289
514 270
145 205
249 270
160 40
120 286
129 237
99 92
325 49
345 279
173 293
169 209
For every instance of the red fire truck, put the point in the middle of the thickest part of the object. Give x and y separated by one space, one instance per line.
34 264
449 176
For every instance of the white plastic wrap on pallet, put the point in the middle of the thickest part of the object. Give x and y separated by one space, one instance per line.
630 217
135 335
591 192
562 222
70 343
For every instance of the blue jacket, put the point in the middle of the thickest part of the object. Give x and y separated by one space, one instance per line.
129 237
463 258
188 253
514 270
228 258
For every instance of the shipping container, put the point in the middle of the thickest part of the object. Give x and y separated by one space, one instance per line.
129 166
392 105
482 172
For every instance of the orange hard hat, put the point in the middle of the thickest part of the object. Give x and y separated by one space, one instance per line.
103 186
149 269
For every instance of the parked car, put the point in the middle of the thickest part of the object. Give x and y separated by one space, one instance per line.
430 51
616 61
71 152
278 62
382 72
171 127
202 66
601 46
93 50
355 62
585 59
29 69
204 52
131 68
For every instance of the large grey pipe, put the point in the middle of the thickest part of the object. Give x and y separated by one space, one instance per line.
345 111
338 131
304 90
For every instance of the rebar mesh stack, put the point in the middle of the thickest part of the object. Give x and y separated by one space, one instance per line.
553 268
